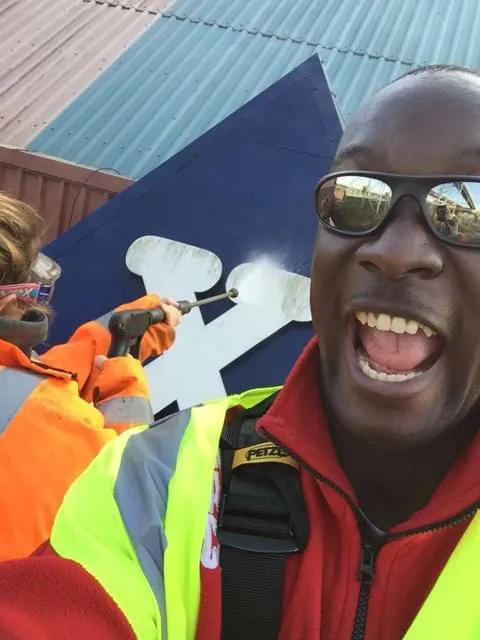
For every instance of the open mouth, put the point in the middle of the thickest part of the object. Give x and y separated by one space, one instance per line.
393 348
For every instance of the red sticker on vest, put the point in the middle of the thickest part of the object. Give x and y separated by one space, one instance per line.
211 549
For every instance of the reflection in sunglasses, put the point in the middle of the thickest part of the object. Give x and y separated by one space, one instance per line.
354 202
454 210
359 203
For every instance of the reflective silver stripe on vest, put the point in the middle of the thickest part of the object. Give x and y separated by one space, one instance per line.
148 464
15 387
127 410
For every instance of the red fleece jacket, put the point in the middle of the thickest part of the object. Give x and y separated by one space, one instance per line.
49 598
57 598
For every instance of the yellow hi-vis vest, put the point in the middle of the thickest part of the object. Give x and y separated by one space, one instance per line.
136 521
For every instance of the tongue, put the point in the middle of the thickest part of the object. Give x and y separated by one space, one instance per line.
394 352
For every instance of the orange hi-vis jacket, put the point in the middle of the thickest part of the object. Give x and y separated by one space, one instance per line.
50 428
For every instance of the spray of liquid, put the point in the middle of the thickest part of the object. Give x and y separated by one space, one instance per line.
260 281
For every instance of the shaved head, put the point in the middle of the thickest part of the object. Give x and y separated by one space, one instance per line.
434 104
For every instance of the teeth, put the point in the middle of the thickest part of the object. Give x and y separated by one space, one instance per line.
381 375
399 325
362 317
412 327
428 332
384 322
396 324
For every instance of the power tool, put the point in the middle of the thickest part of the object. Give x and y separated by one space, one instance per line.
128 327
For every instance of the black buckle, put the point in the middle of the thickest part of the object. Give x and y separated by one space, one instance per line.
258 532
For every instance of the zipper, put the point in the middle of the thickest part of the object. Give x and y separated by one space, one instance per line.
368 556
369 551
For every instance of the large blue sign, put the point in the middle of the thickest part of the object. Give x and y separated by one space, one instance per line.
244 188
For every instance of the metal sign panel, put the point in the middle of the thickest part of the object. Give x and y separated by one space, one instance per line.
198 223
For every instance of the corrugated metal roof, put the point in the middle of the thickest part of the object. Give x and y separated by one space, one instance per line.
413 31
205 59
151 6
51 51
179 80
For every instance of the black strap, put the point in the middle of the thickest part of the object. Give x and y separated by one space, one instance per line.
252 590
262 520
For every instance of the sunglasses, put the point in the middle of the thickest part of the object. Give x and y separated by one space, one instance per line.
359 203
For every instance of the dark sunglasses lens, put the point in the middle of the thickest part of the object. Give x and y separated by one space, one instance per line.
353 203
455 211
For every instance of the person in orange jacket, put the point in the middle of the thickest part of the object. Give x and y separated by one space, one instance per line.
59 409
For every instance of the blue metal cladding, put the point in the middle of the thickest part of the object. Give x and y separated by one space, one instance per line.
244 187
412 31
202 60
179 80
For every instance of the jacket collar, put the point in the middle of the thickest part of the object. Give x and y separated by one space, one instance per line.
297 421
26 333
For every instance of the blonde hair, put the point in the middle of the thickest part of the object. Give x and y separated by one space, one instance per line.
21 230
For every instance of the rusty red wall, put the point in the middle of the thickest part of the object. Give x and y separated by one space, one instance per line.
63 193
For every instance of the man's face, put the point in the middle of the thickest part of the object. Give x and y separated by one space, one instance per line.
422 125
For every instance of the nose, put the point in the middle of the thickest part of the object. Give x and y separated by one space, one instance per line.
405 247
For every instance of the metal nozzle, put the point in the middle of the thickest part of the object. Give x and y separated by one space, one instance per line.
185 306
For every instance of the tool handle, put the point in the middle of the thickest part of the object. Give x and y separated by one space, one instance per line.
119 346
128 327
